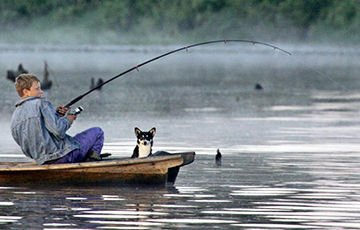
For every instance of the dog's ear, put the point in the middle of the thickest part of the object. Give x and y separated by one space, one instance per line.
137 131
153 131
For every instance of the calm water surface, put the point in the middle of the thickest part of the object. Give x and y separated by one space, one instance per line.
291 152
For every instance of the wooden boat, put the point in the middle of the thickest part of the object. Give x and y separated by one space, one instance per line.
160 168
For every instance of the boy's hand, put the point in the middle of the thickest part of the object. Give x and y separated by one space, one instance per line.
71 118
61 110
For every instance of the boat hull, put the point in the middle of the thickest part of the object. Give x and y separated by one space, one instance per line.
147 171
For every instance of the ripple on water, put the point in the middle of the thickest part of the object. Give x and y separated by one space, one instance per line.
263 191
194 221
9 219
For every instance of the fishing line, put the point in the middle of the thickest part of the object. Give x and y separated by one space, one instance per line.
166 54
320 73
187 48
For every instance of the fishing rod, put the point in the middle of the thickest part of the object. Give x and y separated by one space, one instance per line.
166 54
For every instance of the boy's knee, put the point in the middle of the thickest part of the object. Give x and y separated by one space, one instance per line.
99 131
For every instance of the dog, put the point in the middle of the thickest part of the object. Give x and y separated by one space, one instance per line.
144 143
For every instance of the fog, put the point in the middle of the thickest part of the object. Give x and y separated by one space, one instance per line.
212 82
290 150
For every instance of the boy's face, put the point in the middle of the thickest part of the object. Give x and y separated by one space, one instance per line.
35 90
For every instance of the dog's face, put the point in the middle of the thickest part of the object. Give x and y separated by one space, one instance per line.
145 138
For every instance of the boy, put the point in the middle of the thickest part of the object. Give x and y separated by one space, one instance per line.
40 131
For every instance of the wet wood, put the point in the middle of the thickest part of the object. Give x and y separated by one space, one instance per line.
147 171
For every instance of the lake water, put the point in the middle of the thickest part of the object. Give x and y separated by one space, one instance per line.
291 152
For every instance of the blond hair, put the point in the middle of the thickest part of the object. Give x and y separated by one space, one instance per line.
24 81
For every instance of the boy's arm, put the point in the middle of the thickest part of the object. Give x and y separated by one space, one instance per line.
71 118
53 122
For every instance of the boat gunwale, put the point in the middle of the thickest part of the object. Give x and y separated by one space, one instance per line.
83 165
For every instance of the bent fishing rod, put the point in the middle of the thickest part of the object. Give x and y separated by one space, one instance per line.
166 54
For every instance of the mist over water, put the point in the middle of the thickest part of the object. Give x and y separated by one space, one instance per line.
290 150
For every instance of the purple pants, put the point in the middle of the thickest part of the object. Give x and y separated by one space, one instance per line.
90 139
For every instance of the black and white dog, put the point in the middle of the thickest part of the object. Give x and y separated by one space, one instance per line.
144 143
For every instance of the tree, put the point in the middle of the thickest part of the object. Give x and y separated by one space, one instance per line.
303 14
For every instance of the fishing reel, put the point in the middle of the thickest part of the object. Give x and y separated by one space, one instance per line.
77 111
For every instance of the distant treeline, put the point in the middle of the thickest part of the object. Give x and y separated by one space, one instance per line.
164 21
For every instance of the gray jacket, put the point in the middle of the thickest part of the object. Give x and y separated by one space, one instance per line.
40 131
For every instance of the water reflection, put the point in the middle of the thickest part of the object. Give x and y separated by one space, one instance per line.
126 207
273 194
